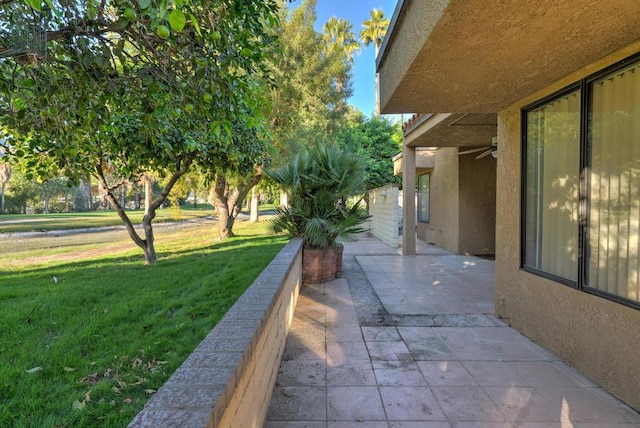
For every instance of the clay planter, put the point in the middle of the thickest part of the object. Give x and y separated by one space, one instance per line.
318 265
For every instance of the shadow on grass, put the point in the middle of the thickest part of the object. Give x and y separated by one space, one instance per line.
90 348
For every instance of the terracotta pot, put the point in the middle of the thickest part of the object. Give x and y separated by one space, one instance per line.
318 265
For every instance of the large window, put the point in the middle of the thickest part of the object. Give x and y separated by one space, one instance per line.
581 189
423 198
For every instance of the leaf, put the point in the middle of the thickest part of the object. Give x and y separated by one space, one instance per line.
177 19
35 4
69 369
194 21
128 400
144 4
78 405
34 370
149 391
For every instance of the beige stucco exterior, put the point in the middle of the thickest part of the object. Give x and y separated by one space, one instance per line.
597 336
479 56
462 204
475 56
462 200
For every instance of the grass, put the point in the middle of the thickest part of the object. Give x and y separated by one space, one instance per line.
10 223
90 348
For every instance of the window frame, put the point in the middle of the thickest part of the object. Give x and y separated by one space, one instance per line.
585 86
428 174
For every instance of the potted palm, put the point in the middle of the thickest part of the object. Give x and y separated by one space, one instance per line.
318 183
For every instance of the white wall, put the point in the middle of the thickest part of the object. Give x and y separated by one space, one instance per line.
383 208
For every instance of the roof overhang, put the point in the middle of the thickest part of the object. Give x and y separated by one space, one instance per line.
425 161
452 130
479 56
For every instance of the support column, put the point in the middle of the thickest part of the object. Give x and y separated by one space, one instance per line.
408 200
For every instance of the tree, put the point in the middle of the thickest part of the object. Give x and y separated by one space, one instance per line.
5 176
339 37
341 42
308 100
135 88
307 104
376 140
373 31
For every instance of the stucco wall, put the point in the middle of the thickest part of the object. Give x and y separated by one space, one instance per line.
477 205
383 209
597 336
442 229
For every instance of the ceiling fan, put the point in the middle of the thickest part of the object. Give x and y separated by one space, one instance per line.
486 150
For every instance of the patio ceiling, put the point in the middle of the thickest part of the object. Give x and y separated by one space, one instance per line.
479 56
452 130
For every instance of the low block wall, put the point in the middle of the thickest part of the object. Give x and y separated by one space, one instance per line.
228 380
385 220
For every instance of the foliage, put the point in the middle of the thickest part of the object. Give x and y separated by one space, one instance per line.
373 31
88 350
307 104
340 39
376 140
318 182
131 88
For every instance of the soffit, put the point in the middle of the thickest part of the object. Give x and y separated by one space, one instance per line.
480 56
453 130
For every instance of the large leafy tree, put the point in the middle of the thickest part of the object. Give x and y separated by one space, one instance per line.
129 89
307 103
376 140
373 31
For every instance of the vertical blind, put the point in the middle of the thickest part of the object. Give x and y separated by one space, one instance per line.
614 214
553 164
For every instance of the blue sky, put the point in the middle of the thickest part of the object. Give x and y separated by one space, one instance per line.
356 11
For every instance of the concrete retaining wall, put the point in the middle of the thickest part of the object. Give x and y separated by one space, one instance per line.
228 380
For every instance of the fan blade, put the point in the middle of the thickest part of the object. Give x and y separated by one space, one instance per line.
476 150
482 155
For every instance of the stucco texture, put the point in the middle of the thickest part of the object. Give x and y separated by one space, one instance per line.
477 56
462 204
599 337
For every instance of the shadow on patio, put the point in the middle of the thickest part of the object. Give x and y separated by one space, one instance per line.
411 342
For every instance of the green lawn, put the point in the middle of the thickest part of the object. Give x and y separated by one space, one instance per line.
90 347
62 221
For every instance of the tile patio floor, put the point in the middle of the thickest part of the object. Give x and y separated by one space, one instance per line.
411 342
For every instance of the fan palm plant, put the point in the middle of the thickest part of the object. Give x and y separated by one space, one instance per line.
318 182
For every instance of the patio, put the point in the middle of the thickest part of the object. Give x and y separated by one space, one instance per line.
411 342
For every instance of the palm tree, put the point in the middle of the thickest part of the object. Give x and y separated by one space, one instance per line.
373 31
339 36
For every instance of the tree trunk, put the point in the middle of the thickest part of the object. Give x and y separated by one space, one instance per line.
123 196
221 199
46 205
4 186
148 193
146 244
228 201
195 199
255 215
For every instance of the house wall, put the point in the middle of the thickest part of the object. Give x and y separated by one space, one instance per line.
477 215
597 336
384 221
442 229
